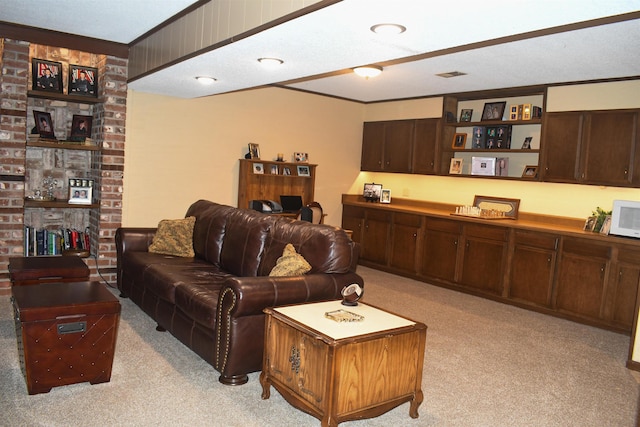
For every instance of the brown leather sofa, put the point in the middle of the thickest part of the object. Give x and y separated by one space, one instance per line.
214 302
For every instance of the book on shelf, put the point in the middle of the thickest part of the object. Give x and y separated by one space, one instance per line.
43 241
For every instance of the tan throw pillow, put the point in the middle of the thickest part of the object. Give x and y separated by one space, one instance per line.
174 237
290 263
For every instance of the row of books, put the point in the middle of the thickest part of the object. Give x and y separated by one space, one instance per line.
54 242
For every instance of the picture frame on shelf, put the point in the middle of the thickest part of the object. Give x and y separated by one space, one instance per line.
254 150
455 168
301 157
509 207
80 191
606 225
465 114
303 170
258 168
526 145
46 75
485 166
83 81
493 110
385 196
478 138
44 124
286 170
274 170
372 192
530 172
502 166
590 223
80 128
459 141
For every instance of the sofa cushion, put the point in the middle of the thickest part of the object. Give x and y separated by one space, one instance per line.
326 248
290 263
209 229
199 301
174 237
243 242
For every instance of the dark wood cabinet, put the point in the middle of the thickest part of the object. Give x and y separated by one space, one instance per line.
405 240
375 236
532 267
561 135
485 251
610 147
592 147
353 219
623 291
387 146
554 267
440 249
582 273
427 134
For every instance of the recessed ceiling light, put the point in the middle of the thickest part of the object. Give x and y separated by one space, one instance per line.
388 29
368 71
270 62
205 80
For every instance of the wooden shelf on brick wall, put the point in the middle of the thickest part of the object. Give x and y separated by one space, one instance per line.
63 97
62 144
57 204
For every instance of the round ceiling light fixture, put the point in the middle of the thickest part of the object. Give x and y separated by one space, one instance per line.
270 62
368 71
205 80
388 29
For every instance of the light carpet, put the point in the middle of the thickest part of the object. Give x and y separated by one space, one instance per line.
486 364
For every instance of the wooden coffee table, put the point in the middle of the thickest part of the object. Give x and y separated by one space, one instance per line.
66 333
34 270
339 371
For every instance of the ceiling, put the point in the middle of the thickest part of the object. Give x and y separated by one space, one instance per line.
509 44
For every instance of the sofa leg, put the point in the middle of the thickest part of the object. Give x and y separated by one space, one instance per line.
160 329
234 380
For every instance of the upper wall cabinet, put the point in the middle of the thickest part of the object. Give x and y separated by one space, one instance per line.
592 147
403 146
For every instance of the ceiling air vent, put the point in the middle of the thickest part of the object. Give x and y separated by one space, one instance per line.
451 74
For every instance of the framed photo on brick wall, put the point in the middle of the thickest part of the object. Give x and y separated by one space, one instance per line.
46 75
83 80
44 124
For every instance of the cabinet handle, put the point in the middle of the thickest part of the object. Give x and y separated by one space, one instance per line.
626 172
549 260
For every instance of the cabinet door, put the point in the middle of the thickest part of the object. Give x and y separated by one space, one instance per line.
404 241
375 236
582 273
353 219
440 249
623 291
483 261
372 146
398 142
561 141
532 267
609 147
424 146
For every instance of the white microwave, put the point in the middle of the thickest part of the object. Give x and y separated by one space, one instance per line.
625 218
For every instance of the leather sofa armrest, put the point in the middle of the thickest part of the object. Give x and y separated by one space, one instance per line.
246 296
131 239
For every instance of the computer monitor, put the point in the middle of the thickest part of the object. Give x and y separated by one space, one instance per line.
291 203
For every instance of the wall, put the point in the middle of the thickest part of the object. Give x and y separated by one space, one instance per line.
179 151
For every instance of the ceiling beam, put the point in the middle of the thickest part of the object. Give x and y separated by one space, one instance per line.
66 40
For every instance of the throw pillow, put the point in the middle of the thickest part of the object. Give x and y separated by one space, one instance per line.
174 237
290 263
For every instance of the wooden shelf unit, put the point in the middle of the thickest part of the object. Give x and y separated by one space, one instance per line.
270 186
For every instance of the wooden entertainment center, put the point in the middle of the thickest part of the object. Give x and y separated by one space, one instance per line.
544 263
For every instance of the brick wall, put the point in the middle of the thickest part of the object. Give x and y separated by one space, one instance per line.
22 171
